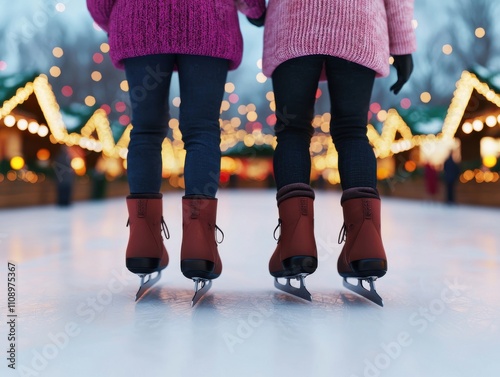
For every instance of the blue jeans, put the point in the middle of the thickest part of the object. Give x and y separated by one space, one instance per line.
350 85
201 81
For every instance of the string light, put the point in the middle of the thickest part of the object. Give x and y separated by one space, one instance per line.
96 134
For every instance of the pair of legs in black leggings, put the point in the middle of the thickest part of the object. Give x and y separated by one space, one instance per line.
350 85
295 83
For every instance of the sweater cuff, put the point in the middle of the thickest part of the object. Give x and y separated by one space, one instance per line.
251 8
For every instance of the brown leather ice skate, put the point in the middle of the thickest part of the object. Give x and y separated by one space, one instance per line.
295 256
200 258
146 253
363 256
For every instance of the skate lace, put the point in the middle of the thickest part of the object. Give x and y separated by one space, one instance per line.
342 234
221 232
165 228
275 229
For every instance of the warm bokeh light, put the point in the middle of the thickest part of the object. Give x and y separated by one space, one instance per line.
78 165
447 49
229 87
491 121
17 162
261 77
124 85
9 121
43 154
22 124
224 106
252 116
425 97
410 166
55 71
96 76
104 47
480 32
477 125
57 52
90 101
33 127
467 127
43 130
382 115
489 161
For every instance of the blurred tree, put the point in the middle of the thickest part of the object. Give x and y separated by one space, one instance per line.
466 40
28 38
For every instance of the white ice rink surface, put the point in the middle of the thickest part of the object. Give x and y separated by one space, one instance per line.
77 315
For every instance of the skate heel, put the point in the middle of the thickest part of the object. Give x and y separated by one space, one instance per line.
364 268
300 265
143 266
298 268
198 268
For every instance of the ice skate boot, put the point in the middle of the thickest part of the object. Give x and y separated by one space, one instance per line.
200 258
363 256
146 254
295 256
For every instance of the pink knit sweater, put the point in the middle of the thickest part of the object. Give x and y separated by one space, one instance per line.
194 27
362 31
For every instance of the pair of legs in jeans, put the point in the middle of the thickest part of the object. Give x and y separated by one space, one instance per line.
201 81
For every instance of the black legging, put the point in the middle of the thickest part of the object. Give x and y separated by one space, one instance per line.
295 83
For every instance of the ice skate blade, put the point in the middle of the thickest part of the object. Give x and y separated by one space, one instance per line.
301 292
206 284
147 284
370 294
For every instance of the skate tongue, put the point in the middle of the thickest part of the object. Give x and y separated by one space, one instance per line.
370 294
147 284
206 284
301 291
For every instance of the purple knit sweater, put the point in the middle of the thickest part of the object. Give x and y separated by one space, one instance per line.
193 27
362 31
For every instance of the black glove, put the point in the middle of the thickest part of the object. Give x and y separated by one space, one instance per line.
258 21
404 67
